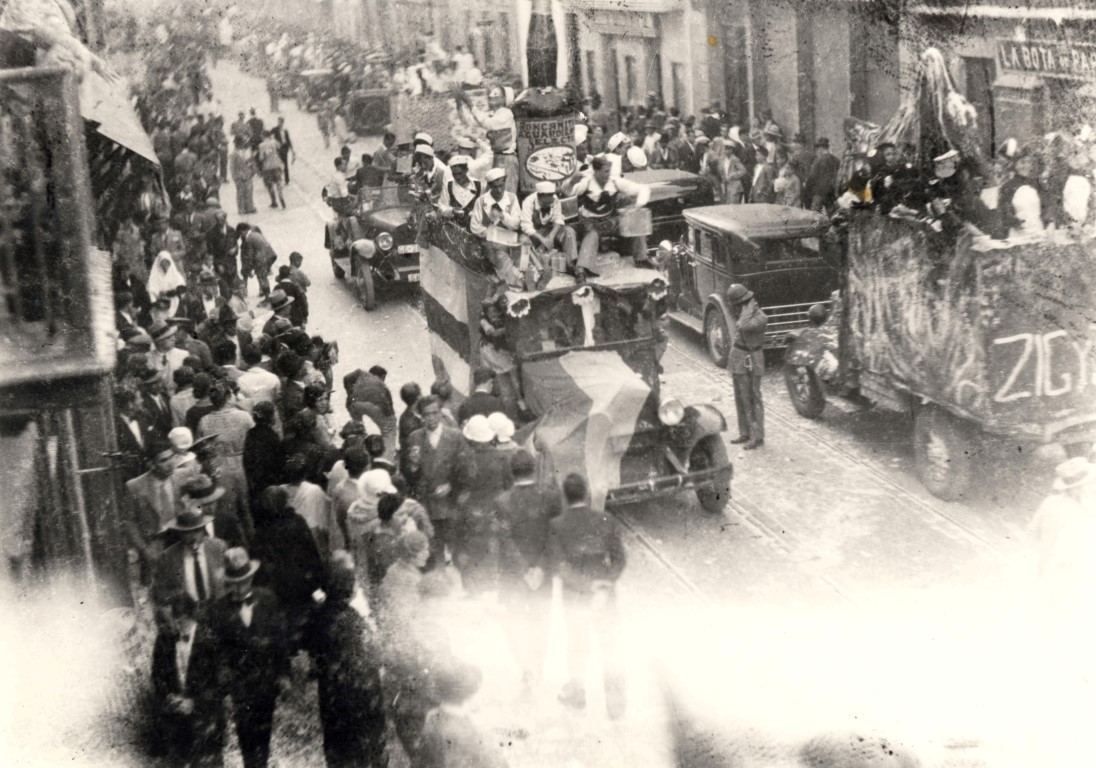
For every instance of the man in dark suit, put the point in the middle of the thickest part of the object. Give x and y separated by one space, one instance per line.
525 586
410 420
369 387
586 551
189 577
156 405
482 401
220 243
132 432
250 634
438 463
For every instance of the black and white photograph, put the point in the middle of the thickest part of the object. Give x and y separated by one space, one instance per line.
547 383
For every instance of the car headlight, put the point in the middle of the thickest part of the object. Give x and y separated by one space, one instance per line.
384 241
671 412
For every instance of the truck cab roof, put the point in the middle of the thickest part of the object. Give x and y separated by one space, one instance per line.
759 221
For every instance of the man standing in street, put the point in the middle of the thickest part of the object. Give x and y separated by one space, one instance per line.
270 162
285 146
250 635
437 463
523 513
256 256
586 551
220 242
819 189
747 363
152 500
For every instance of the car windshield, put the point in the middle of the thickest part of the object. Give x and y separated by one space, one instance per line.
556 323
392 192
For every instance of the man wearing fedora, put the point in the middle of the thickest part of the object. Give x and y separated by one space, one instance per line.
221 245
279 303
747 363
250 636
1064 524
200 491
820 185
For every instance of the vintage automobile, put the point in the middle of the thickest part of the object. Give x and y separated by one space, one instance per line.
588 363
368 111
780 253
373 241
314 87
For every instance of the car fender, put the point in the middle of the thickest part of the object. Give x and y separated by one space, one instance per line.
709 420
718 300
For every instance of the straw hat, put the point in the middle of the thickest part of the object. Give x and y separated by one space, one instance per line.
238 566
478 430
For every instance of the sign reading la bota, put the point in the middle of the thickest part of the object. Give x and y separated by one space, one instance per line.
1050 59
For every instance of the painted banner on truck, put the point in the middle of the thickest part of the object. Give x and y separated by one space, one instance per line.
1001 331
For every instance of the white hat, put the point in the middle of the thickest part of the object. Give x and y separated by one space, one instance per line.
501 425
424 138
545 188
637 157
666 245
616 140
181 438
373 483
581 130
951 154
478 430
424 149
464 142
456 160
495 174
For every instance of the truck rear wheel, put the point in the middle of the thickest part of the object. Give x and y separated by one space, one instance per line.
943 447
714 493
717 336
805 390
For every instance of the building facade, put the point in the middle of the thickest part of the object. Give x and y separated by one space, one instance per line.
1028 69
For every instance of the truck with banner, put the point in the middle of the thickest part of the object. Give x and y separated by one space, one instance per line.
969 333
588 363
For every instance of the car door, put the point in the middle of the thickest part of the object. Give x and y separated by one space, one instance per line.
704 270
682 276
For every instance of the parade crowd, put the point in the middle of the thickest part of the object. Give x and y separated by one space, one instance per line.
263 531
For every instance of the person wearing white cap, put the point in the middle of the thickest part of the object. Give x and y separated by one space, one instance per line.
496 217
542 222
504 430
479 163
186 463
427 178
476 556
616 149
501 129
422 138
460 193
600 199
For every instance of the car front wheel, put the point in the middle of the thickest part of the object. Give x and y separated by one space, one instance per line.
364 283
717 336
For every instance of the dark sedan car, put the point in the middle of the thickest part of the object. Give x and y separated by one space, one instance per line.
778 252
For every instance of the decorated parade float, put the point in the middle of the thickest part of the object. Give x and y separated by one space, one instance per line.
969 333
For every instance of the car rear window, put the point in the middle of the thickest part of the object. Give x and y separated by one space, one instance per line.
778 251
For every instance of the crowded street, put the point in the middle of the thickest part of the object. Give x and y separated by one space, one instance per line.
428 412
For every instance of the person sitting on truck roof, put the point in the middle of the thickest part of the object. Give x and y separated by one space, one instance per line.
496 217
542 221
601 199
460 193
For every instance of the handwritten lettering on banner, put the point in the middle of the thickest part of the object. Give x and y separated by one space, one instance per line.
1047 365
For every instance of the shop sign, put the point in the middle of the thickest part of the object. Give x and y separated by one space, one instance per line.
546 149
1050 59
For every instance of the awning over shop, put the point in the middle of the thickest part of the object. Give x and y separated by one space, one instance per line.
105 105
